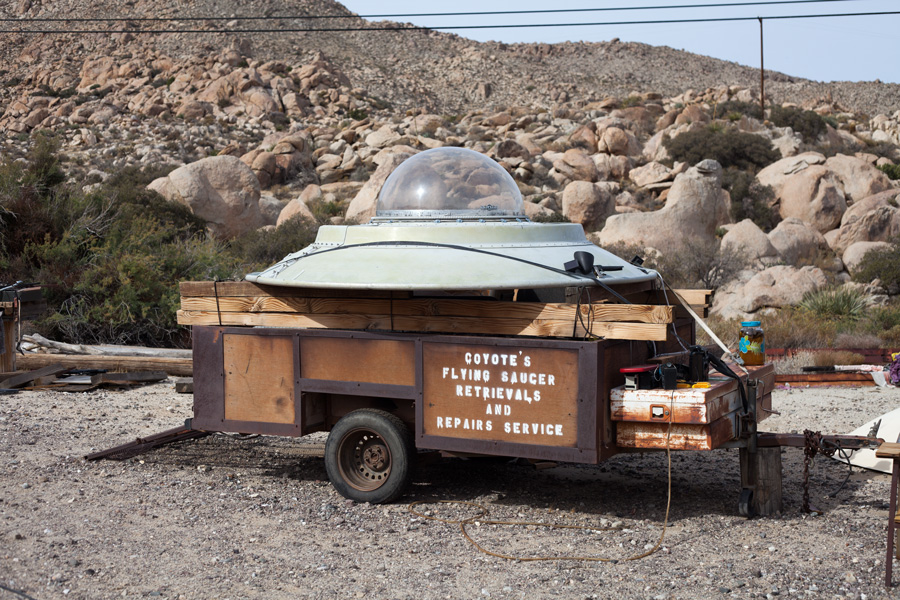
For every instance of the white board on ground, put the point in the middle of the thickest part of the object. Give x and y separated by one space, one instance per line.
889 430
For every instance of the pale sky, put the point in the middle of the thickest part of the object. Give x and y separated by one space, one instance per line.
823 49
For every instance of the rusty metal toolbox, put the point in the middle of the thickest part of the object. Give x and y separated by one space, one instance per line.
702 418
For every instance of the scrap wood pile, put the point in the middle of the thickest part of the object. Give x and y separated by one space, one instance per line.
60 378
241 303
41 352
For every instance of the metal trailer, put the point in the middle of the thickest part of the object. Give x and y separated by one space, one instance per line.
383 396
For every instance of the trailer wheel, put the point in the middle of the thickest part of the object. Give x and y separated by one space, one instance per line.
368 456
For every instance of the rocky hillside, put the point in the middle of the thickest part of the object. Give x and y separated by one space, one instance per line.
266 129
440 72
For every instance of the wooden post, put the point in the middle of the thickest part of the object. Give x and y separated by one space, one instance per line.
762 76
7 344
761 472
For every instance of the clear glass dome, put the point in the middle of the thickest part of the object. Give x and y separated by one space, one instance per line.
449 183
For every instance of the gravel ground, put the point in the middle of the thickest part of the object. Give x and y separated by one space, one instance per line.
226 518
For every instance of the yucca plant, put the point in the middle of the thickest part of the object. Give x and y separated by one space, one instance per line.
836 303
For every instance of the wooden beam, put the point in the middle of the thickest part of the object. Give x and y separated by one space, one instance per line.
641 313
430 324
25 378
246 288
172 366
695 297
130 377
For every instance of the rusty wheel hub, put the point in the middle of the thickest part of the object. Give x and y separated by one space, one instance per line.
364 460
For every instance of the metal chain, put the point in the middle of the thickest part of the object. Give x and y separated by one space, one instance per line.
812 446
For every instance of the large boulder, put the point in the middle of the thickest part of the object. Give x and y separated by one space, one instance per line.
880 224
221 190
618 141
695 207
855 253
806 189
870 203
798 243
362 207
748 241
858 178
775 287
587 204
299 206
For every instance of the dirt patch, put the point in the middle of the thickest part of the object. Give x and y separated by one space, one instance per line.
226 518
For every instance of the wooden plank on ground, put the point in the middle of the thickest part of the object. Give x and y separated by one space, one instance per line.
485 326
172 366
184 385
55 368
640 313
131 377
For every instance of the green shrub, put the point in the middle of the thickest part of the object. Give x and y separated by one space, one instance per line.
733 110
841 303
731 148
262 248
554 217
807 123
694 264
892 171
750 199
883 264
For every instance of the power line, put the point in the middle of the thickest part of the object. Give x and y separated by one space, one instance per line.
444 14
453 27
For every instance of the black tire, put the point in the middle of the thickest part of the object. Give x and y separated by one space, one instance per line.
368 456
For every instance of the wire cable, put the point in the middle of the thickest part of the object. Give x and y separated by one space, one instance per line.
16 592
399 27
483 512
440 14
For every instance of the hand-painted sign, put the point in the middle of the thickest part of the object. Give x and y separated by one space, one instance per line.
526 396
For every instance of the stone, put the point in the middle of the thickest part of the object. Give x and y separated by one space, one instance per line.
619 142
806 190
221 190
800 244
587 204
859 179
298 208
747 240
192 110
270 208
510 149
881 224
856 251
693 113
870 203
383 137
583 168
427 124
652 172
534 210
774 287
362 207
695 207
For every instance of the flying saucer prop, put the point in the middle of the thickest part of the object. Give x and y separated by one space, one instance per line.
450 219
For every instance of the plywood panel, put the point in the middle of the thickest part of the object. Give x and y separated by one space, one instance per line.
525 396
259 378
390 362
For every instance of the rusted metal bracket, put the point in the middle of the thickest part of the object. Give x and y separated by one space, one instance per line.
142 445
798 440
